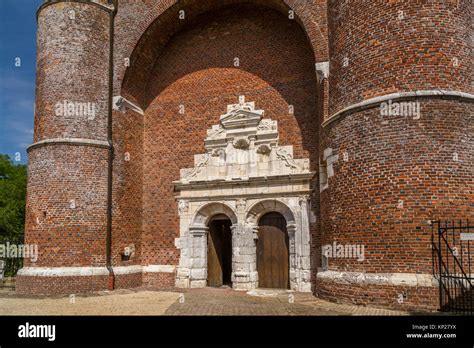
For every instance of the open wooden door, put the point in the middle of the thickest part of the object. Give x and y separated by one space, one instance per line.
219 253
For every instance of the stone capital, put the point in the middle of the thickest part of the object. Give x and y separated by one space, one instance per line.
291 228
198 230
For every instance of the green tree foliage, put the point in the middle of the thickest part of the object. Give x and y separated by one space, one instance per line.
12 206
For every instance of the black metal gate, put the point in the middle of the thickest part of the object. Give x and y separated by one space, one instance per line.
453 263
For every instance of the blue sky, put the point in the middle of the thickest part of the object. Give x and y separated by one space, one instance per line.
17 84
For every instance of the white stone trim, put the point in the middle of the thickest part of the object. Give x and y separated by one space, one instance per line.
397 96
69 141
63 271
263 206
159 269
92 271
119 270
260 180
103 4
395 279
121 104
99 3
322 70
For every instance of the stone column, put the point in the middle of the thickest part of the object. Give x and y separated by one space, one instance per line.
304 240
253 237
198 255
244 257
183 243
252 163
291 228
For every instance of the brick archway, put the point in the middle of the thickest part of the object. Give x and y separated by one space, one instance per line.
185 84
164 19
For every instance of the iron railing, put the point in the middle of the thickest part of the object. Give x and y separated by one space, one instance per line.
453 265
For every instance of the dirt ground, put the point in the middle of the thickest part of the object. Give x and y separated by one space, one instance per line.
103 303
207 301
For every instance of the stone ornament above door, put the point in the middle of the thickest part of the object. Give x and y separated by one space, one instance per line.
244 174
243 145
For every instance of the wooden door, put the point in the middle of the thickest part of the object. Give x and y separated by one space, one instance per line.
219 253
273 252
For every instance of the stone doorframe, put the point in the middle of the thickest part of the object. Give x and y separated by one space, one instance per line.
297 226
192 269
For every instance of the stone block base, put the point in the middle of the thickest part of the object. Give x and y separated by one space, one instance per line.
74 280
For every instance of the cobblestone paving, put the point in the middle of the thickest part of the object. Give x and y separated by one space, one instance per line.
223 301
208 301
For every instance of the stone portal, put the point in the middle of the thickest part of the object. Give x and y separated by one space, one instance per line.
243 175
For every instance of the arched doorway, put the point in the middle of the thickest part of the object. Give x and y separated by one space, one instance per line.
273 252
219 252
202 69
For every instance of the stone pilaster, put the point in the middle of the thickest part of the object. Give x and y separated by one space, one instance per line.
244 257
192 271
291 229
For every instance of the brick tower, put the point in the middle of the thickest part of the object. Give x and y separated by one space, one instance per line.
399 143
68 162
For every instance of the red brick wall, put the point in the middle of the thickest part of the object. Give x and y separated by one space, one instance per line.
127 186
395 45
417 298
142 37
127 281
393 159
58 174
159 280
390 46
60 285
72 65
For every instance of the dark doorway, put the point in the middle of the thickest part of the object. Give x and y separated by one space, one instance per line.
219 253
272 252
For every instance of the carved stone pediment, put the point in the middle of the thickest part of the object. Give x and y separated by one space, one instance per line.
243 145
242 115
240 119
